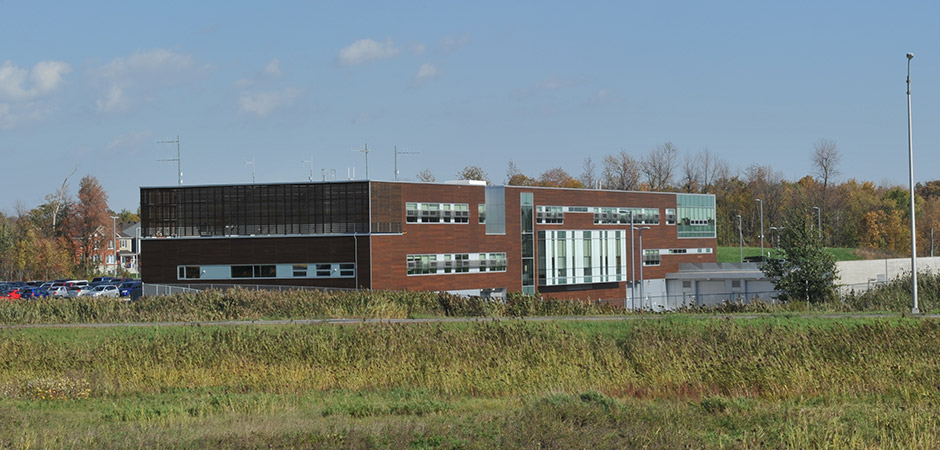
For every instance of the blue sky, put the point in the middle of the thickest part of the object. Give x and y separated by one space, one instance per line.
543 84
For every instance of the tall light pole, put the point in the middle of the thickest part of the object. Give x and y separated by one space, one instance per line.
819 222
632 264
741 238
114 242
776 232
910 155
761 203
642 289
252 164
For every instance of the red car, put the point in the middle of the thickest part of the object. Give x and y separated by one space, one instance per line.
12 294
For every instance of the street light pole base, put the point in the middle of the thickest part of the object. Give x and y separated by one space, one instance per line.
915 310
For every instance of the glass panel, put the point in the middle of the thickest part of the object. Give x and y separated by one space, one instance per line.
242 272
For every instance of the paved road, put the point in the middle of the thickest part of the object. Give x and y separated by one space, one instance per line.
455 320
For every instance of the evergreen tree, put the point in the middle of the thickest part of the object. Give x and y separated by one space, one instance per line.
802 269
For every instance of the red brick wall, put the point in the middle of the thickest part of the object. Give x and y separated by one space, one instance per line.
389 252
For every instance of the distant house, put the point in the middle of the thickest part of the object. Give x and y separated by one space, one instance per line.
128 236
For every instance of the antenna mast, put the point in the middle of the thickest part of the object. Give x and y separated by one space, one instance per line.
396 159
309 161
179 161
366 152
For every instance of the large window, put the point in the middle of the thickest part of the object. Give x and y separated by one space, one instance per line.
696 215
255 210
447 263
581 256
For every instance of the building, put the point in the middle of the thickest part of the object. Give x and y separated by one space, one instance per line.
466 237
128 237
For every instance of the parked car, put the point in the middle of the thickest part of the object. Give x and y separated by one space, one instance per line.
99 280
12 294
70 283
127 286
79 290
59 291
105 290
33 292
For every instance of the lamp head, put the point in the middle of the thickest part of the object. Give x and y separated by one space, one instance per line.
910 56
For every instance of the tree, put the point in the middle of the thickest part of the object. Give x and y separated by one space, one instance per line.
558 177
425 176
472 173
802 270
588 177
621 172
126 216
658 166
89 222
826 158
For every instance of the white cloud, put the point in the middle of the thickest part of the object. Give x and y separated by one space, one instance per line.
44 78
426 71
157 60
367 50
273 69
114 100
450 43
418 49
128 141
264 103
143 70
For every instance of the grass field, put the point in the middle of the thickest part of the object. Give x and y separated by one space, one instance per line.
733 254
672 383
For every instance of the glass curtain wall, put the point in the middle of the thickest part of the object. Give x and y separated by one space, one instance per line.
255 210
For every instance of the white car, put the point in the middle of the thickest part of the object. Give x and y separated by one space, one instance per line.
105 290
59 291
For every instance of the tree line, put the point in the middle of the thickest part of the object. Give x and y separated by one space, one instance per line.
848 213
61 238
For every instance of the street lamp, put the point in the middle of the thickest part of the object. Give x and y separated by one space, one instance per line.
910 154
819 222
114 242
740 238
642 290
777 231
761 203
632 265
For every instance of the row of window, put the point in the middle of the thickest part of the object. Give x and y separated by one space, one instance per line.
652 257
242 271
437 212
436 264
554 215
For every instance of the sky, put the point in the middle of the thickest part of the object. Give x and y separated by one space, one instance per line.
94 87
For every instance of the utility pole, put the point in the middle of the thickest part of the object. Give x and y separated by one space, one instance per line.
740 238
179 161
396 160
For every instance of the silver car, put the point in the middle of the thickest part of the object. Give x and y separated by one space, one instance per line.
105 290
80 290
59 291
